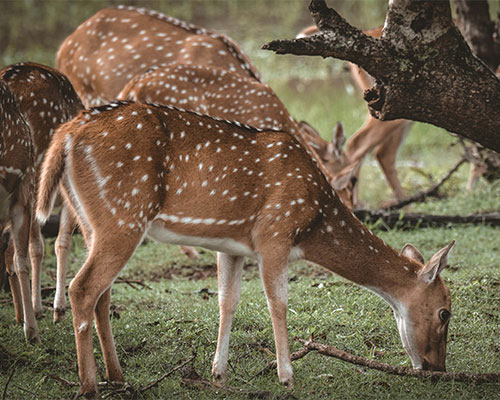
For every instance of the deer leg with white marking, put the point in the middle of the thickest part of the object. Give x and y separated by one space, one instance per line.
86 289
229 272
36 250
274 272
62 248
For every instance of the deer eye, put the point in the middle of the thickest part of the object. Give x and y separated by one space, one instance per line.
444 315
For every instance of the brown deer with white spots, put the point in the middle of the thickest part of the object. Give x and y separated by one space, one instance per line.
383 137
117 43
133 170
46 99
228 95
220 93
17 191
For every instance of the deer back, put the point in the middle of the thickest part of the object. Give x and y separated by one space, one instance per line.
214 91
228 95
115 44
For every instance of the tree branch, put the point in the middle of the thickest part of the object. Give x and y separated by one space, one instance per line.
423 67
402 371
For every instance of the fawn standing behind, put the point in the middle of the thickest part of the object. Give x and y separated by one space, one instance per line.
46 99
17 191
131 170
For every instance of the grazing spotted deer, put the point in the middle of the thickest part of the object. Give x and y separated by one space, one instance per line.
117 43
133 170
17 191
46 99
224 94
383 137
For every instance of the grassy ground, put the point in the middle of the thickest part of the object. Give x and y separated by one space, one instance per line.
175 316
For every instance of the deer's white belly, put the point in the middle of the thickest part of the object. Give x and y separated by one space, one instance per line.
159 232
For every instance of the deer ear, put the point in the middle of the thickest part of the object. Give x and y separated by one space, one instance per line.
338 138
343 179
436 264
411 252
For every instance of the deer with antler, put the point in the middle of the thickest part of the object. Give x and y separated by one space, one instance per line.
45 99
133 170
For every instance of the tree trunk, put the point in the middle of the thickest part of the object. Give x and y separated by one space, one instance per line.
473 20
424 69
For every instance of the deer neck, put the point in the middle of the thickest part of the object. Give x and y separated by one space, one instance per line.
342 244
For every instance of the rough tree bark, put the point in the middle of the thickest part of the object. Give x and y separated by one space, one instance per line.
424 69
473 20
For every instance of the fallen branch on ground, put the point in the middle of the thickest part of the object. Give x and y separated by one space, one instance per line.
431 192
390 369
412 220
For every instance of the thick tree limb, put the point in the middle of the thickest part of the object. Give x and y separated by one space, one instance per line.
425 70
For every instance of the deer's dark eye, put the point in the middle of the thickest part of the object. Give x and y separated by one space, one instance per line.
444 315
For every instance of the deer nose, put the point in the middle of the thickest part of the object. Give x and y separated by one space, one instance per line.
427 366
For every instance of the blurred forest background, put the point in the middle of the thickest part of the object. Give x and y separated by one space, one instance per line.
317 90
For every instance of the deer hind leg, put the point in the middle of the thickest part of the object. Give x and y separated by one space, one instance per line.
190 252
62 248
15 288
36 255
386 154
21 222
229 272
103 326
274 272
107 257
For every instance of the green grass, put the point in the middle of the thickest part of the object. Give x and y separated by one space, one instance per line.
158 326
176 315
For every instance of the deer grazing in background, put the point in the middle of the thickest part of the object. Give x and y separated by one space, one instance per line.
117 43
228 95
17 191
45 99
133 170
383 137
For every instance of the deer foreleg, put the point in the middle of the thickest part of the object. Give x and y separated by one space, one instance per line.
274 271
229 272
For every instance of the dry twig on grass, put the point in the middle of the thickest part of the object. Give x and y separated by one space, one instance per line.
331 351
431 192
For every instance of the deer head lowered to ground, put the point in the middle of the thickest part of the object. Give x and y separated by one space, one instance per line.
132 170
383 137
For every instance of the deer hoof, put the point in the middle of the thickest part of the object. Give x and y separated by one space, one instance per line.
59 314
